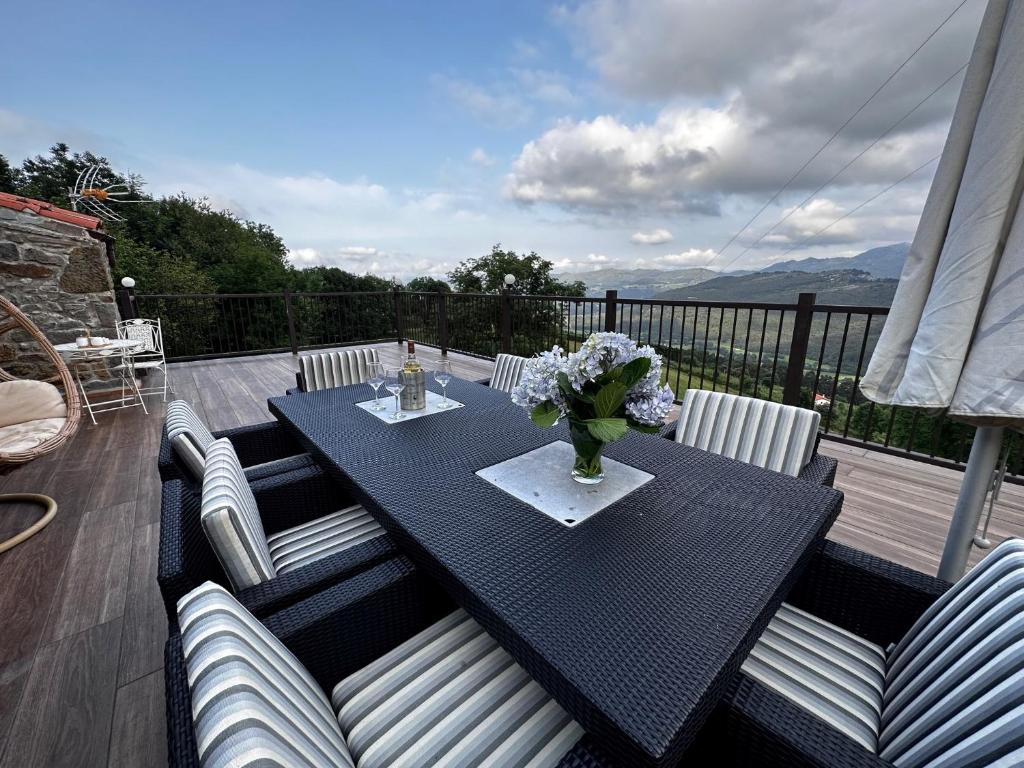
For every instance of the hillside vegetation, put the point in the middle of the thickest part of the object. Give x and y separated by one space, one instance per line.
848 286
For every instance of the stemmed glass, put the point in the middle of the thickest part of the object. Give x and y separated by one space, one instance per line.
394 382
443 375
375 378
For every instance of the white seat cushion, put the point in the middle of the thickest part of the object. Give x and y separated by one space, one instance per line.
336 369
322 537
770 435
508 370
231 519
832 673
27 400
26 435
253 703
450 695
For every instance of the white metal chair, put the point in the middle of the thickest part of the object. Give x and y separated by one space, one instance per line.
150 355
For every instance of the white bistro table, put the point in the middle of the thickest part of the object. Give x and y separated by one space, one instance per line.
120 350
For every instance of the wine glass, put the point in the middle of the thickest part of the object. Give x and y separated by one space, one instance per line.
394 382
375 378
443 375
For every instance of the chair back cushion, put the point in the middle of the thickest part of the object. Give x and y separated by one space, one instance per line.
253 703
189 437
231 519
27 400
770 435
955 683
508 369
336 369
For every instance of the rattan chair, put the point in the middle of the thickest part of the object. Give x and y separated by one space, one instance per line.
35 417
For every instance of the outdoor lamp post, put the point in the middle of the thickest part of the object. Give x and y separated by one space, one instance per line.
510 280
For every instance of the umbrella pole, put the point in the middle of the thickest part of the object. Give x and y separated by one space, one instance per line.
969 504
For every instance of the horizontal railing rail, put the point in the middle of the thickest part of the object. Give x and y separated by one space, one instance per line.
803 353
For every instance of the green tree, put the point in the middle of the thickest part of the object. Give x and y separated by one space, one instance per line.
428 285
532 273
10 178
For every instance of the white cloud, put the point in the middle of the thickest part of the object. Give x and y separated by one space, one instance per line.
492 105
598 258
654 237
358 250
480 157
692 257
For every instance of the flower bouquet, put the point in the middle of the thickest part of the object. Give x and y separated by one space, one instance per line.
607 387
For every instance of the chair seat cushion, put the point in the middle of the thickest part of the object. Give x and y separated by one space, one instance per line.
26 435
317 539
833 674
451 695
27 400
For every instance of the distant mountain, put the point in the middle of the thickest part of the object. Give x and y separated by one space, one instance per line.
886 261
638 283
846 286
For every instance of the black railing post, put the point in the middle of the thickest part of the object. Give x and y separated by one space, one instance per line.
798 348
611 311
293 342
126 303
399 330
506 322
442 322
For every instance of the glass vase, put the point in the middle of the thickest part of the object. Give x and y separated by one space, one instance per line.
587 467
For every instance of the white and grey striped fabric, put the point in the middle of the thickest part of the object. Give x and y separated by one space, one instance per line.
189 436
451 696
770 435
336 369
253 703
955 684
319 538
508 369
952 691
828 671
231 519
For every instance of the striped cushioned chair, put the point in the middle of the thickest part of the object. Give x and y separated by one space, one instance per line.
950 693
508 369
448 695
334 369
231 519
187 440
770 435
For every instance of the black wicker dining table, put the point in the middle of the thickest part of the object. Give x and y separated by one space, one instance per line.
636 619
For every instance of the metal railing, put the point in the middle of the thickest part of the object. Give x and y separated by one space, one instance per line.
801 353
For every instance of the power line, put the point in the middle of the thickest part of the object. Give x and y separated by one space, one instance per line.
838 173
866 202
840 129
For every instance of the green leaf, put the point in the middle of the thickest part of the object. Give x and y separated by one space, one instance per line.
545 414
612 374
635 370
609 399
607 430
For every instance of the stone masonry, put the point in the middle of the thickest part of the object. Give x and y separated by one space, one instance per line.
58 275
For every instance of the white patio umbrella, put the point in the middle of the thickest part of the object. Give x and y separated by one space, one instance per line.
954 338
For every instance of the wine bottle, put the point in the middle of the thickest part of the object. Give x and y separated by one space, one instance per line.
414 396
411 363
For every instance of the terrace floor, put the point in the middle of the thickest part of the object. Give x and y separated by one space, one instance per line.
83 628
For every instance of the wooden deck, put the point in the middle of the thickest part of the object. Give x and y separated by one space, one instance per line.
82 633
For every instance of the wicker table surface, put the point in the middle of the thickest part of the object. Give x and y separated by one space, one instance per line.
634 620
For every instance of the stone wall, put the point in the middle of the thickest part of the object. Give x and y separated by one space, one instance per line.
58 275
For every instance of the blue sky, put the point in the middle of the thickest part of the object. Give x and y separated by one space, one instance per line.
402 138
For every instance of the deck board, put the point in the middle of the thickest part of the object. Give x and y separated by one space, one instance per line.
81 679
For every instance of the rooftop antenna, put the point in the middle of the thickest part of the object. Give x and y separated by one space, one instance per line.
88 196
